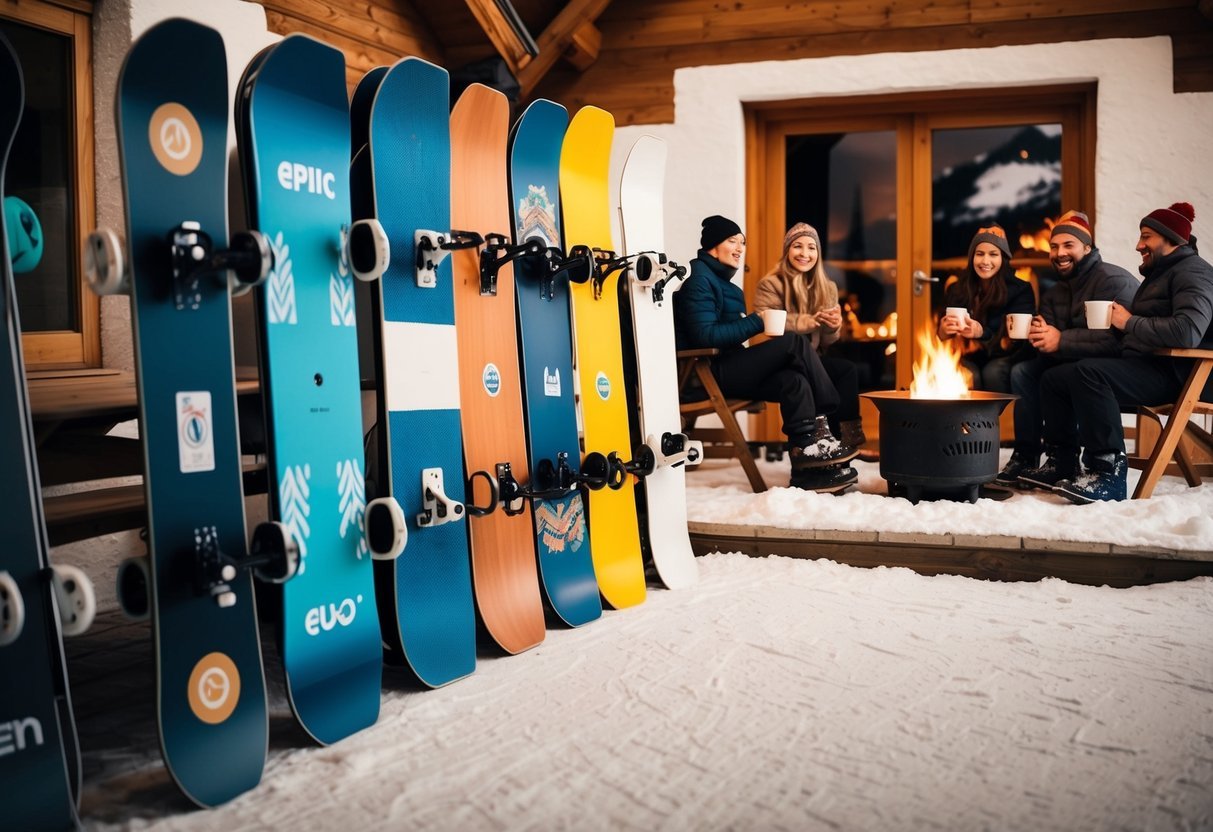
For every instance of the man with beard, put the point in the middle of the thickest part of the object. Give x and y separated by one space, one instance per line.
1081 401
1059 334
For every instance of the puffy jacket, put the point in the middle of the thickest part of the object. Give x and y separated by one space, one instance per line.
1173 308
1063 306
709 309
772 293
994 321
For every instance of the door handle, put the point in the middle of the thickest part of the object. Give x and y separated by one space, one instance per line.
921 278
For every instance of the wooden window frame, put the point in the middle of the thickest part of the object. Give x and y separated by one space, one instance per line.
66 349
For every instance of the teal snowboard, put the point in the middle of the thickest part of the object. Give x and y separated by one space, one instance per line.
294 123
39 752
172 112
402 178
546 354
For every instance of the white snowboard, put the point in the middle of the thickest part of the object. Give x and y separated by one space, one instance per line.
643 226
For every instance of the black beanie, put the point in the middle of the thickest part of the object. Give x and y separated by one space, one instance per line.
717 229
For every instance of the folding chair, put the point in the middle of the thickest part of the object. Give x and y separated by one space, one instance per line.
1178 426
723 442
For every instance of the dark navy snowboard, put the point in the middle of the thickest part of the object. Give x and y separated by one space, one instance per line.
546 355
39 754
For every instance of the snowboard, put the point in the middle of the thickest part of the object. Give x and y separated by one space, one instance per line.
426 613
39 751
172 114
546 348
584 194
294 126
649 288
504 570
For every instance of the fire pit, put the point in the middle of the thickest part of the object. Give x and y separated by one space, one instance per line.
944 447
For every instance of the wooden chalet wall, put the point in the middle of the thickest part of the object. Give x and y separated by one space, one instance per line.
643 41
370 32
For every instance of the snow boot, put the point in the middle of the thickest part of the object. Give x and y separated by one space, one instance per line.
851 433
1106 478
1019 462
1060 463
818 448
831 479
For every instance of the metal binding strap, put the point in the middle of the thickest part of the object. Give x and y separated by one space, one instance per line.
249 256
576 267
497 252
606 263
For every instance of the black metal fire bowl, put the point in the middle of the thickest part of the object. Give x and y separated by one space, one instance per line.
938 447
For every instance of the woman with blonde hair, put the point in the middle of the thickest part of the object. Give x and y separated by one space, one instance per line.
799 285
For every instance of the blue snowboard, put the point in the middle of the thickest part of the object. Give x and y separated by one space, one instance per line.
546 356
172 111
39 754
402 177
295 124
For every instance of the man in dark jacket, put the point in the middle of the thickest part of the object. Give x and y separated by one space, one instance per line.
710 312
1172 308
1059 334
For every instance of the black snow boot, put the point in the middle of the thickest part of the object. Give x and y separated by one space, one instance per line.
1019 462
1106 478
1060 463
828 479
818 448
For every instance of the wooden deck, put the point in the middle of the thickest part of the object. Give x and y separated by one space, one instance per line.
998 558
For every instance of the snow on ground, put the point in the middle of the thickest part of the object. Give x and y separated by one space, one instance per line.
1176 517
776 694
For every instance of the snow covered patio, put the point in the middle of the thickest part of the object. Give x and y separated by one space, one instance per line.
777 694
1029 535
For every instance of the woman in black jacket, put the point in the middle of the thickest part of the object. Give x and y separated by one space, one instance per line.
709 311
990 291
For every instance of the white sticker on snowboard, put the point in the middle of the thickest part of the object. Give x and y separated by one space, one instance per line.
551 382
195 432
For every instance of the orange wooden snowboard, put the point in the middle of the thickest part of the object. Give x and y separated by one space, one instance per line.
504 569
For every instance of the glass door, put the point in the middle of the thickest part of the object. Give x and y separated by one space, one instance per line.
897 187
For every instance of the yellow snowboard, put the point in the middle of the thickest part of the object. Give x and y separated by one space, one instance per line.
584 193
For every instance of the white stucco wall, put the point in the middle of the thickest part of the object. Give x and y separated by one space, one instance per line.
1152 145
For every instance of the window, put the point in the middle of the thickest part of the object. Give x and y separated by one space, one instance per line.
49 183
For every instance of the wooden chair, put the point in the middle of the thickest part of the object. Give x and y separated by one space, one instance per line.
723 442
1179 426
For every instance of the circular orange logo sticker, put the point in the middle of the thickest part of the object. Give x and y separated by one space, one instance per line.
176 138
214 688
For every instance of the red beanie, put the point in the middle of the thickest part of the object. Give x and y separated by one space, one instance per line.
1174 223
1074 223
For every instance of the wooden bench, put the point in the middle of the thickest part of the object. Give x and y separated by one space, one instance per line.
1179 426
724 442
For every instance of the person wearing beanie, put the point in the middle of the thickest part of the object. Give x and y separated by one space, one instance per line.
1081 401
989 290
1058 334
798 284
710 312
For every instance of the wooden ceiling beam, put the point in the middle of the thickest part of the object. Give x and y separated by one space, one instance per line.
501 33
557 38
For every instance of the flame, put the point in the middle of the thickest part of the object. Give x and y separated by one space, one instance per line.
1025 274
1038 241
937 372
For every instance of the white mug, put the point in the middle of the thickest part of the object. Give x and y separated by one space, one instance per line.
774 321
959 313
1018 324
1099 314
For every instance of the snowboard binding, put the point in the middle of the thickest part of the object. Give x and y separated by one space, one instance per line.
576 267
497 252
432 248
75 598
386 532
12 610
603 471
605 264
481 510
365 246
273 557
105 264
675 449
437 508
655 272
249 259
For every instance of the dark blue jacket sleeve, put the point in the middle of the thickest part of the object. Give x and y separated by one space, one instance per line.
699 318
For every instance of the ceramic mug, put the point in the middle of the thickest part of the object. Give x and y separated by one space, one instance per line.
1099 314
